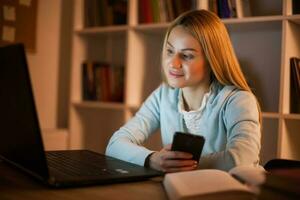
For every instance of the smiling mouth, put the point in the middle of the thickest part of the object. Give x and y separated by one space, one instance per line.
175 74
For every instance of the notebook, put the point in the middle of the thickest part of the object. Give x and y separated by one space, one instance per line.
21 142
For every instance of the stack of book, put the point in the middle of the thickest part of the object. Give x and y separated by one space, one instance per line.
227 8
105 12
160 11
295 85
102 82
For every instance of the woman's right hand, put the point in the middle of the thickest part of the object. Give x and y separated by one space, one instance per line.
172 161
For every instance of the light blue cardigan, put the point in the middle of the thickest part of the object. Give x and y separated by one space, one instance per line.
229 123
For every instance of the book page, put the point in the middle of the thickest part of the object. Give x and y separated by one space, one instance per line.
202 182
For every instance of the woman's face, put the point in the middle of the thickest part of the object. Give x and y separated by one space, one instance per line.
184 62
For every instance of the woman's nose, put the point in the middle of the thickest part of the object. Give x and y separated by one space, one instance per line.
175 62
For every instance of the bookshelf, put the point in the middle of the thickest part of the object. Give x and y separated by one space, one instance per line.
264 42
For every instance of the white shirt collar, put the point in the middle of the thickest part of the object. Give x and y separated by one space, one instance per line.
202 106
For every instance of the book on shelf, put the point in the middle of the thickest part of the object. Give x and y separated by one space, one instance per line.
243 8
102 86
295 85
88 87
227 8
155 11
169 10
158 11
214 184
105 12
163 11
102 82
212 6
296 7
145 15
233 8
223 9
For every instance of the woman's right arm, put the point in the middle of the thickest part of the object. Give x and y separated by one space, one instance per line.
126 143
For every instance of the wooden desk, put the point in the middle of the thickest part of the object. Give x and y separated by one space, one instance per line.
15 185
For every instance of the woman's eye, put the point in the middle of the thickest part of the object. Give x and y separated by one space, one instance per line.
169 52
187 56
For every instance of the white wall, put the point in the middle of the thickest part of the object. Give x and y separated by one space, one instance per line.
46 64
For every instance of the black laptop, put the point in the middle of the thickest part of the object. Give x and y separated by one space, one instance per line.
21 142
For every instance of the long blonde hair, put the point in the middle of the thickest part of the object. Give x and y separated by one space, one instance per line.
212 35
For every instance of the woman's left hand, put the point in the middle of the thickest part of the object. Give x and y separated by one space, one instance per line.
172 161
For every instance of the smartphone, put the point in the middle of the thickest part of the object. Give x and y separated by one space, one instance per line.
189 143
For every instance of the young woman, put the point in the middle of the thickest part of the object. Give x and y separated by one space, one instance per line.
204 92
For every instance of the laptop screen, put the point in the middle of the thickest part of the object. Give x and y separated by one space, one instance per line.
20 138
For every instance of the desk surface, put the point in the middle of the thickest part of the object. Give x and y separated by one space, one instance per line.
16 185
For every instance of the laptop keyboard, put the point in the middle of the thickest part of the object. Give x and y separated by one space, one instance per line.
78 163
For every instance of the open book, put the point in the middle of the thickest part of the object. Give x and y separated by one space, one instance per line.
210 184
